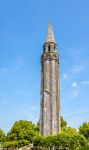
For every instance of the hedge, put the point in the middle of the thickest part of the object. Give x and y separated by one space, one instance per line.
84 148
62 141
15 144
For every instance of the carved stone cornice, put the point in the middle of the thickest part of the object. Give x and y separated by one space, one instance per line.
49 56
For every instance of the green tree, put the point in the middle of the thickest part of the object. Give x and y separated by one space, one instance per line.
21 130
84 129
69 130
60 141
37 127
15 144
63 122
2 136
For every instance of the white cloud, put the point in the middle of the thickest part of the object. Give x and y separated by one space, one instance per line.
65 76
74 85
78 69
75 90
85 82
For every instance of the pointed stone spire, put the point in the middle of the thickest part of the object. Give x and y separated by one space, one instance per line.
50 34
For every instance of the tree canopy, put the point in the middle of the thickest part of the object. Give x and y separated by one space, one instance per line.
24 132
60 141
84 129
69 130
2 135
63 122
21 130
37 127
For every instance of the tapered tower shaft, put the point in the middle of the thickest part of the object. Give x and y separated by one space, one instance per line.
50 93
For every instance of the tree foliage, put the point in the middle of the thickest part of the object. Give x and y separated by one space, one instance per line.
2 136
63 122
15 144
24 132
69 130
84 148
21 130
63 141
37 127
84 129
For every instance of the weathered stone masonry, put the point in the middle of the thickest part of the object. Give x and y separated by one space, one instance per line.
50 99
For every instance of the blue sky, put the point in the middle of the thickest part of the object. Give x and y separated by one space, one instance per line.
23 28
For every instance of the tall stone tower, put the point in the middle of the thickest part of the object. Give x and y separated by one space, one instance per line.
50 96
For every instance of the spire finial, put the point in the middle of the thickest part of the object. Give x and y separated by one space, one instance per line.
50 34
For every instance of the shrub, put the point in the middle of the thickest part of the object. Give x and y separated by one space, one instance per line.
84 129
10 144
84 148
2 135
21 130
22 143
76 141
15 144
63 141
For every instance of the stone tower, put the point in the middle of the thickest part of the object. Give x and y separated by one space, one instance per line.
50 96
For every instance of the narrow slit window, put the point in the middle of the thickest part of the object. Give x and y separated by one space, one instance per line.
54 47
49 48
